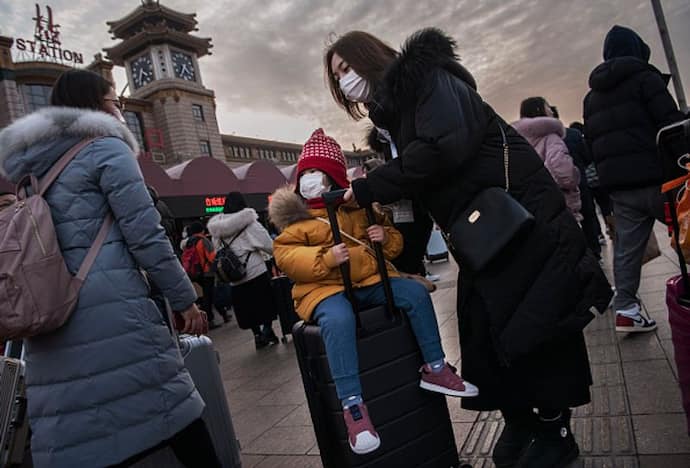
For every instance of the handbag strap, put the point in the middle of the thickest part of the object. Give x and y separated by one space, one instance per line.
506 159
357 241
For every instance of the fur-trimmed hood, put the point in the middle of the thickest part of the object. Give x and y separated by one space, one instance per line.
287 208
422 52
533 128
226 225
34 142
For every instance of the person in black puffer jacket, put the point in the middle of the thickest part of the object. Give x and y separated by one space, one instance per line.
521 317
627 105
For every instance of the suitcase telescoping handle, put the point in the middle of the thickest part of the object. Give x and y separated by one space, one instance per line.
331 199
662 136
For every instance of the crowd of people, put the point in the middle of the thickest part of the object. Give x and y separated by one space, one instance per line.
521 314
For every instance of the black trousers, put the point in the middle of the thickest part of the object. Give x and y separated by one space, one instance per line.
192 446
208 286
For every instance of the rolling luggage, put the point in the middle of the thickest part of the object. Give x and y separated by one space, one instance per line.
14 423
436 248
671 141
201 360
282 297
414 424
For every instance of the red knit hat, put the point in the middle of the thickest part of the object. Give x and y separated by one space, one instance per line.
323 153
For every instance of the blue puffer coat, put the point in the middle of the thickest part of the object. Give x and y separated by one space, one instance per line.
110 382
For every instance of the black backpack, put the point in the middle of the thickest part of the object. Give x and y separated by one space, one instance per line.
228 267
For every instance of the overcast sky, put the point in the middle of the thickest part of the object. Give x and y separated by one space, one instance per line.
266 63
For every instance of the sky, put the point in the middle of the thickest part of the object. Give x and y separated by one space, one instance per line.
266 66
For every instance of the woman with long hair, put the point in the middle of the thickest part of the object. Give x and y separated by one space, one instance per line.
521 315
109 385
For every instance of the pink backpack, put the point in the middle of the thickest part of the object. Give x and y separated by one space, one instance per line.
37 292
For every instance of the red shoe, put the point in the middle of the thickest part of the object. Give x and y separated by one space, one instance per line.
362 436
447 381
634 325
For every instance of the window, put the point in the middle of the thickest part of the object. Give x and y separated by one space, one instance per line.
205 147
198 112
36 96
133 120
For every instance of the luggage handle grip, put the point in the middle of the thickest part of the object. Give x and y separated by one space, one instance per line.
331 198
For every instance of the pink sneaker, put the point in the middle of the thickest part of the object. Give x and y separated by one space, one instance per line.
362 436
447 382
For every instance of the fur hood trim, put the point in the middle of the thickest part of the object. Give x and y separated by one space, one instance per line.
224 225
287 208
422 52
52 123
538 127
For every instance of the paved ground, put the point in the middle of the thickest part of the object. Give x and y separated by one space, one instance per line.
634 420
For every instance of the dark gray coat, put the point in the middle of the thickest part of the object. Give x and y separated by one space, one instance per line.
110 383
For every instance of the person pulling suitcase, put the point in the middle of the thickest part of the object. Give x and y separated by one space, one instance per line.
330 280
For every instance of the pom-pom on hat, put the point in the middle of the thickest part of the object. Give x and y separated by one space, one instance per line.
323 153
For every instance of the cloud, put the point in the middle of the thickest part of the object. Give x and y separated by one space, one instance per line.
266 64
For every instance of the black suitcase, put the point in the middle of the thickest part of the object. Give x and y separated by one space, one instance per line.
282 297
414 424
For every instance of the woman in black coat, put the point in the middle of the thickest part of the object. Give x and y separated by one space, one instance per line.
520 317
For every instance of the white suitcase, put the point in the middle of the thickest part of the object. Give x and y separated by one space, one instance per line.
436 249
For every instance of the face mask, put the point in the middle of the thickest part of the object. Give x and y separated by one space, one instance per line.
354 87
311 185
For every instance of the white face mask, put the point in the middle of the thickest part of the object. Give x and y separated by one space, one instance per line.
354 87
311 185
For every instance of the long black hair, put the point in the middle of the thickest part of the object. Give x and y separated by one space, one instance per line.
80 88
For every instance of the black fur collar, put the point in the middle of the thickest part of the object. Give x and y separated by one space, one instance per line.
422 52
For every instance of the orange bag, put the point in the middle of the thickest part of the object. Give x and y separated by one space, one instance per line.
682 210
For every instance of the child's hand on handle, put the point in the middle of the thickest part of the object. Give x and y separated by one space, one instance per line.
376 233
340 253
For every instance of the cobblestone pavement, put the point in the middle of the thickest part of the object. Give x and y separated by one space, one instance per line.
634 420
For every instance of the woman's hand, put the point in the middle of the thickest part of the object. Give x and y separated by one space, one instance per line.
340 253
195 322
349 195
376 233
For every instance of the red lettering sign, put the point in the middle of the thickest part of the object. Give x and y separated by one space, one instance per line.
215 201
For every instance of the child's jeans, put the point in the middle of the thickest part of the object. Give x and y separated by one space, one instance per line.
338 328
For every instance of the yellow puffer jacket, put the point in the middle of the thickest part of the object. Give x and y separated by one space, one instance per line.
303 249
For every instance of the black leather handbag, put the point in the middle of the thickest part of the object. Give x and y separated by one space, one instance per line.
491 220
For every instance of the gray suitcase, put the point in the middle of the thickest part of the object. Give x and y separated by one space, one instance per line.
201 360
14 423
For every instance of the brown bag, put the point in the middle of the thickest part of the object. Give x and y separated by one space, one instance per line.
652 250
37 292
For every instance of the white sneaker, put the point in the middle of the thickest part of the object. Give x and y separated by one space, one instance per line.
632 321
433 278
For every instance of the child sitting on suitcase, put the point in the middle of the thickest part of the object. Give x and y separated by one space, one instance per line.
305 252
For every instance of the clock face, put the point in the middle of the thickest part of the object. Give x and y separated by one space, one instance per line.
183 66
142 70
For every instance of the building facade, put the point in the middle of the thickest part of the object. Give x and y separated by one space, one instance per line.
168 108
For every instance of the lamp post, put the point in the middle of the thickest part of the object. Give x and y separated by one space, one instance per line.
670 56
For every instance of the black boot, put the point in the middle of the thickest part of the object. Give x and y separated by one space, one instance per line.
517 433
269 335
260 341
553 445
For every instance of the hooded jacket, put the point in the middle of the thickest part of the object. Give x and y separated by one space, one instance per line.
110 383
627 105
546 135
303 249
252 239
520 318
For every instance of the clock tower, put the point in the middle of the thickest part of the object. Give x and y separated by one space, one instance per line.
161 59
